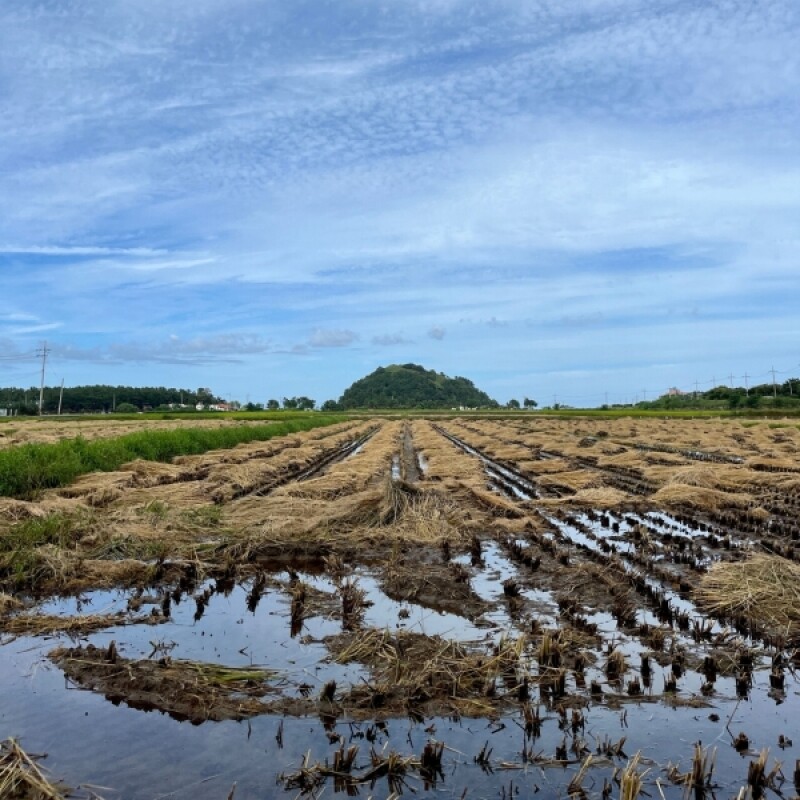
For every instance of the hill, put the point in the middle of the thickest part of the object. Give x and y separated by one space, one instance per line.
413 386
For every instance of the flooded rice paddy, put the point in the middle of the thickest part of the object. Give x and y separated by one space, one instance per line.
468 609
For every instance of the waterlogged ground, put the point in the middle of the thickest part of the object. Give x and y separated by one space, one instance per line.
530 591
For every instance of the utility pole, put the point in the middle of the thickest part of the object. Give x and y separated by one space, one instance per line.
774 386
644 394
730 380
696 384
60 397
42 351
555 400
746 387
606 398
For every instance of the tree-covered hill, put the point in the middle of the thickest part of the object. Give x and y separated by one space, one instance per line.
412 386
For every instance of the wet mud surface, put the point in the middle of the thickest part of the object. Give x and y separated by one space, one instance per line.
427 611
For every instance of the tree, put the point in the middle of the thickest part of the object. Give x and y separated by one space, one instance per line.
126 408
528 403
305 403
273 405
512 403
290 402
330 405
204 396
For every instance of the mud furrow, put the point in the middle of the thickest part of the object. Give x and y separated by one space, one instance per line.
651 581
506 477
299 472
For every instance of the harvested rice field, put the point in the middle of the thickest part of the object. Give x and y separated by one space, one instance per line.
49 430
465 607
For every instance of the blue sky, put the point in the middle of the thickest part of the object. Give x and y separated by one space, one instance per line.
551 197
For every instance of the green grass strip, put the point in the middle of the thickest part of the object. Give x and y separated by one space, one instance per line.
27 469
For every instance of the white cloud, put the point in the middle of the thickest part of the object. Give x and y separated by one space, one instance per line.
390 339
231 347
437 333
43 250
332 338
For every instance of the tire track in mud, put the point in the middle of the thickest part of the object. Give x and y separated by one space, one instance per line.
502 476
300 472
274 448
693 455
669 596
625 479
410 470
779 535
667 592
186 471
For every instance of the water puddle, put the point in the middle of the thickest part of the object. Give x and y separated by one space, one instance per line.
144 755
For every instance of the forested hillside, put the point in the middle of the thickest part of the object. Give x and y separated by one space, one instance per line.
413 386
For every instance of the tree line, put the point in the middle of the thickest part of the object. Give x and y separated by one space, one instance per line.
99 399
102 399
762 395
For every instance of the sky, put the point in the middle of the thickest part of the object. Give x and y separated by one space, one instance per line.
577 201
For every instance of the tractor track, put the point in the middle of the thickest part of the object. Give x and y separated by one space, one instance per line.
299 472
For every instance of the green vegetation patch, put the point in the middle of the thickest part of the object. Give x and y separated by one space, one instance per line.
413 386
20 545
28 469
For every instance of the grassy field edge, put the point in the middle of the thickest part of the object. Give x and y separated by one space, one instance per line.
27 469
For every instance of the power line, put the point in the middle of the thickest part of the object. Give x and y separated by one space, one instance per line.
43 351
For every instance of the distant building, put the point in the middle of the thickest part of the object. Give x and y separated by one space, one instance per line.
674 392
221 407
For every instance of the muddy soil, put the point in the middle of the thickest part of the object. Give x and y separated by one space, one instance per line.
184 690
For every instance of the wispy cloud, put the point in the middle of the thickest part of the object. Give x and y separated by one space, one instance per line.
331 338
390 339
40 250
229 347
